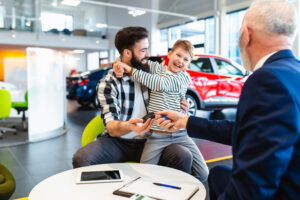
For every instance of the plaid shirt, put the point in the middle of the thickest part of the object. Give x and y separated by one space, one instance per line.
116 97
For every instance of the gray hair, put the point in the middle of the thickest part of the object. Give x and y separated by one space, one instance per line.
278 16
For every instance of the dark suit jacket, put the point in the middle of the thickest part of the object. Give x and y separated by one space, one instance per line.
265 136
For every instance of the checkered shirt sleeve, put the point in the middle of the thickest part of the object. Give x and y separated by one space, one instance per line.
116 97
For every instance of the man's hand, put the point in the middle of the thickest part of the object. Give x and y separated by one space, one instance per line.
174 122
184 105
137 125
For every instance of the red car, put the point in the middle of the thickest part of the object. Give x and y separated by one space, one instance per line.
216 82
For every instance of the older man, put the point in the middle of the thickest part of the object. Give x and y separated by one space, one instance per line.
265 136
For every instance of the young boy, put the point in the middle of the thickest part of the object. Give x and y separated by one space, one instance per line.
168 85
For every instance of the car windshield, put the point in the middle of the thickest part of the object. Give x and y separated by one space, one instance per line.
226 68
245 72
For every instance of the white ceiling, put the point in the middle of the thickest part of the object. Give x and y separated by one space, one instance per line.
188 7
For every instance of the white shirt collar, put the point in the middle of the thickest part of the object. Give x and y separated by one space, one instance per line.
262 61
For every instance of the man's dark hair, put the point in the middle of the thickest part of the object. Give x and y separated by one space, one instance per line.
128 36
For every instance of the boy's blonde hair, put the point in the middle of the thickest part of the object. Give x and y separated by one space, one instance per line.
185 45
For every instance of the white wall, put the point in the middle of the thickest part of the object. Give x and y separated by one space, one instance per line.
46 93
75 62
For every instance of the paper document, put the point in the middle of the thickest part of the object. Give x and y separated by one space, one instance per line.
147 187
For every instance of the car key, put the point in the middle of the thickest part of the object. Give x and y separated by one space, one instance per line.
150 115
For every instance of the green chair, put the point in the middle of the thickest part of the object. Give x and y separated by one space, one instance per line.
94 128
22 106
7 183
5 107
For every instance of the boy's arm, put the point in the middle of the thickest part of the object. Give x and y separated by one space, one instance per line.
120 67
157 82
167 82
153 66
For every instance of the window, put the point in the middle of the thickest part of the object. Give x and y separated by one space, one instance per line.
93 60
201 65
163 50
226 68
103 58
234 20
200 33
56 21
2 16
209 35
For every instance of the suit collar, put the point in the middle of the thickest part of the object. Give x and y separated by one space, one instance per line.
286 53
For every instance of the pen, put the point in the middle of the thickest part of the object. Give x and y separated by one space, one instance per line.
166 185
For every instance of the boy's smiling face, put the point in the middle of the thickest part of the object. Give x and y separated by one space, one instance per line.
179 60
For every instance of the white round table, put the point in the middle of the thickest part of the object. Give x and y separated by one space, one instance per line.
62 186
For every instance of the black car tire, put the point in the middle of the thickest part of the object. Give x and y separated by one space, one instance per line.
217 115
193 105
84 102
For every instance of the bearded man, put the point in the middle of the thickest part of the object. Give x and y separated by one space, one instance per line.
122 103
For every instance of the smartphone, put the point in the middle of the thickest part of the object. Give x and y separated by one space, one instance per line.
99 176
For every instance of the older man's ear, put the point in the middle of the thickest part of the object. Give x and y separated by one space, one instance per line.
246 36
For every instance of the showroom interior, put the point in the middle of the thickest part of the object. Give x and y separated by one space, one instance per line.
44 43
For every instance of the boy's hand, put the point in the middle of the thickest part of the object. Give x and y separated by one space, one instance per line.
118 69
126 68
137 125
184 105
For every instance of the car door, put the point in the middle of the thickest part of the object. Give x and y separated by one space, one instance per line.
229 82
203 78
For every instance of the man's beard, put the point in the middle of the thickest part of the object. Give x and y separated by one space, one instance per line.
135 63
245 58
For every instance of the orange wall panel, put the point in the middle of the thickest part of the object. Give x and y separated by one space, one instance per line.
8 53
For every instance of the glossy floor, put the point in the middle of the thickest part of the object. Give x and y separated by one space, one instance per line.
33 162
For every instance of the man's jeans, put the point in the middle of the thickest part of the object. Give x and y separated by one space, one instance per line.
107 149
157 142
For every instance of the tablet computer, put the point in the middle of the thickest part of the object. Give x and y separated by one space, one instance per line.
99 176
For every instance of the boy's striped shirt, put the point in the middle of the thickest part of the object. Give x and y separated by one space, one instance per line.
167 88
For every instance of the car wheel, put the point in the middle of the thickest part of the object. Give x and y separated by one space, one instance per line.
217 115
193 105
84 102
